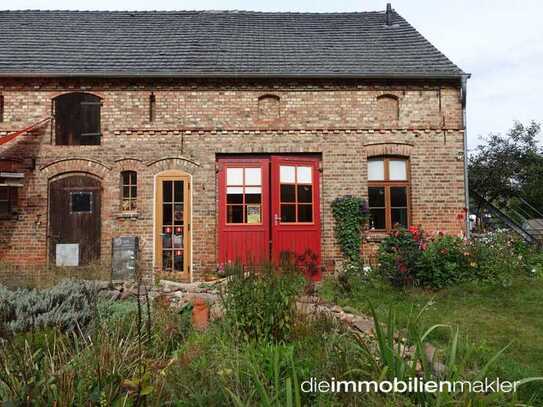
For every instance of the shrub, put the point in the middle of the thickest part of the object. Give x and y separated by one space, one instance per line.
400 255
260 305
444 262
497 257
67 305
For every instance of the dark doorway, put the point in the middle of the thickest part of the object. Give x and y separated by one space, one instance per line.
74 218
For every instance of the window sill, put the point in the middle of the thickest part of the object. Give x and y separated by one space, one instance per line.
128 215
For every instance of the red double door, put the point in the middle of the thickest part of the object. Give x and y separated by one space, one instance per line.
268 207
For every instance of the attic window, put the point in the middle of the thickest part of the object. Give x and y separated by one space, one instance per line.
77 119
268 107
388 109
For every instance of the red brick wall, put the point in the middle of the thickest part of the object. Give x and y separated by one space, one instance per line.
195 120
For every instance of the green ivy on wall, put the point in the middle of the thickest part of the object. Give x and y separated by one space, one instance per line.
350 214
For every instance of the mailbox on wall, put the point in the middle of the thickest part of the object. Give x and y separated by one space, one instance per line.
125 257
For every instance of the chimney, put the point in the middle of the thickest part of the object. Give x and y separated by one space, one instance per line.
388 15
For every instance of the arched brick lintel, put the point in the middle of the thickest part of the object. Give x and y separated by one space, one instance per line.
173 163
399 149
83 165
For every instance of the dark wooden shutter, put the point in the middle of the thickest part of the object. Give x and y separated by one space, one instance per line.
90 120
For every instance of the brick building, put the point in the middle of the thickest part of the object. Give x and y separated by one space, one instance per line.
216 136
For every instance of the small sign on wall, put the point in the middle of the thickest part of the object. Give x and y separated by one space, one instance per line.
67 254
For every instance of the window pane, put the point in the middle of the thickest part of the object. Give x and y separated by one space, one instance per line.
253 190
178 191
376 170
167 191
234 195
166 238
288 213
178 213
134 191
399 217
253 198
377 219
305 213
253 176
167 260
4 207
178 240
286 174
305 193
234 213
81 202
4 194
167 210
288 193
234 176
126 191
398 196
133 177
376 197
178 260
303 175
397 170
253 213
125 177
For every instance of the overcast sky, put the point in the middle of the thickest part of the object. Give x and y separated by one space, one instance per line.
499 42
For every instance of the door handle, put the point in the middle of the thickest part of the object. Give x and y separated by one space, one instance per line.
277 219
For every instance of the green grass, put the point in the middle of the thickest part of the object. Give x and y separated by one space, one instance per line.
492 317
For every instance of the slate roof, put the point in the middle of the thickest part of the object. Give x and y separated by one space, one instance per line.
215 44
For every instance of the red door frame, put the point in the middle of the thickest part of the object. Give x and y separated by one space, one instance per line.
243 242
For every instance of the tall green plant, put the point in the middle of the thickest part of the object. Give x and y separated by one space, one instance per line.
350 214
261 305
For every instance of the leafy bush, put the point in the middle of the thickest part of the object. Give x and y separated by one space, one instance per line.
410 257
260 305
497 257
67 305
444 262
400 256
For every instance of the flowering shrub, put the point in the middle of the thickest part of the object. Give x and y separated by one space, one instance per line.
400 256
411 257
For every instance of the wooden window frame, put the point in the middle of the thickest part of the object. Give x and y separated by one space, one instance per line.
387 184
243 186
296 203
131 199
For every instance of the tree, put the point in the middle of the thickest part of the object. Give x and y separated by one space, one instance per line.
510 166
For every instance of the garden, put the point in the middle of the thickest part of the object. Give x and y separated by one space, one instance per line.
437 307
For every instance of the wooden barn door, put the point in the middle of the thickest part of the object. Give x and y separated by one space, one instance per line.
296 208
74 216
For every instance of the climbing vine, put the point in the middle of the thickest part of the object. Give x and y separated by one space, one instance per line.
350 214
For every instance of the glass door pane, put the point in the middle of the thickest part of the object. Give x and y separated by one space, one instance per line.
173 226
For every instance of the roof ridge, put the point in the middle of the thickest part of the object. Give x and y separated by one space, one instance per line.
208 11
